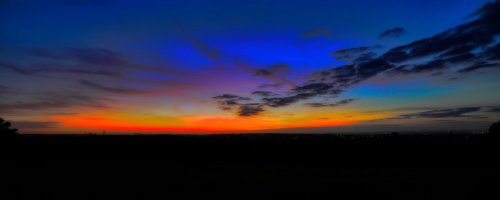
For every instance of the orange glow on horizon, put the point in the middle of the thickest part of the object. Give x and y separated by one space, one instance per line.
196 124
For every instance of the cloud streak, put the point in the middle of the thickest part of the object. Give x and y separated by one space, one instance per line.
392 33
50 101
325 32
274 70
7 90
36 124
338 103
441 113
117 90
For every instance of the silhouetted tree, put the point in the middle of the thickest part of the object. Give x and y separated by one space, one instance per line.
5 129
495 129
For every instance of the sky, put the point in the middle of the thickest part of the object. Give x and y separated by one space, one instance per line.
220 66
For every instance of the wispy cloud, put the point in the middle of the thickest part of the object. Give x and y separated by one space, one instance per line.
35 124
325 32
494 109
356 54
271 85
392 33
207 50
92 56
273 70
338 103
441 113
263 93
8 90
118 90
51 101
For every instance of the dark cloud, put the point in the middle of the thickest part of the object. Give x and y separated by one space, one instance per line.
431 66
441 113
264 93
40 68
316 88
230 101
473 45
98 56
63 113
478 66
53 101
271 86
462 39
373 67
57 68
35 124
493 53
272 70
86 60
341 76
17 69
338 103
226 96
302 92
276 73
44 54
245 109
91 72
250 109
364 57
7 90
231 97
318 32
401 109
490 8
494 109
263 72
392 33
356 54
318 105
208 51
354 50
287 100
102 57
460 58
118 90
85 55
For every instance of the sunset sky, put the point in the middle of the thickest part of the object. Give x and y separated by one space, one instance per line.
198 66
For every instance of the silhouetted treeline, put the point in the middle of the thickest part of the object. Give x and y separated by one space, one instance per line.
263 148
494 129
251 166
5 128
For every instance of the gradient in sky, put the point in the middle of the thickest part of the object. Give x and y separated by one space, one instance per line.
198 66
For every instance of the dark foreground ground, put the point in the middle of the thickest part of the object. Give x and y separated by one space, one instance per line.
250 167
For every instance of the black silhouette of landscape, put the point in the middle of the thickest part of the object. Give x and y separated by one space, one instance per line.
251 166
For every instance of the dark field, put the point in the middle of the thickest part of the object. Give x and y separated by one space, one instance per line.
250 167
